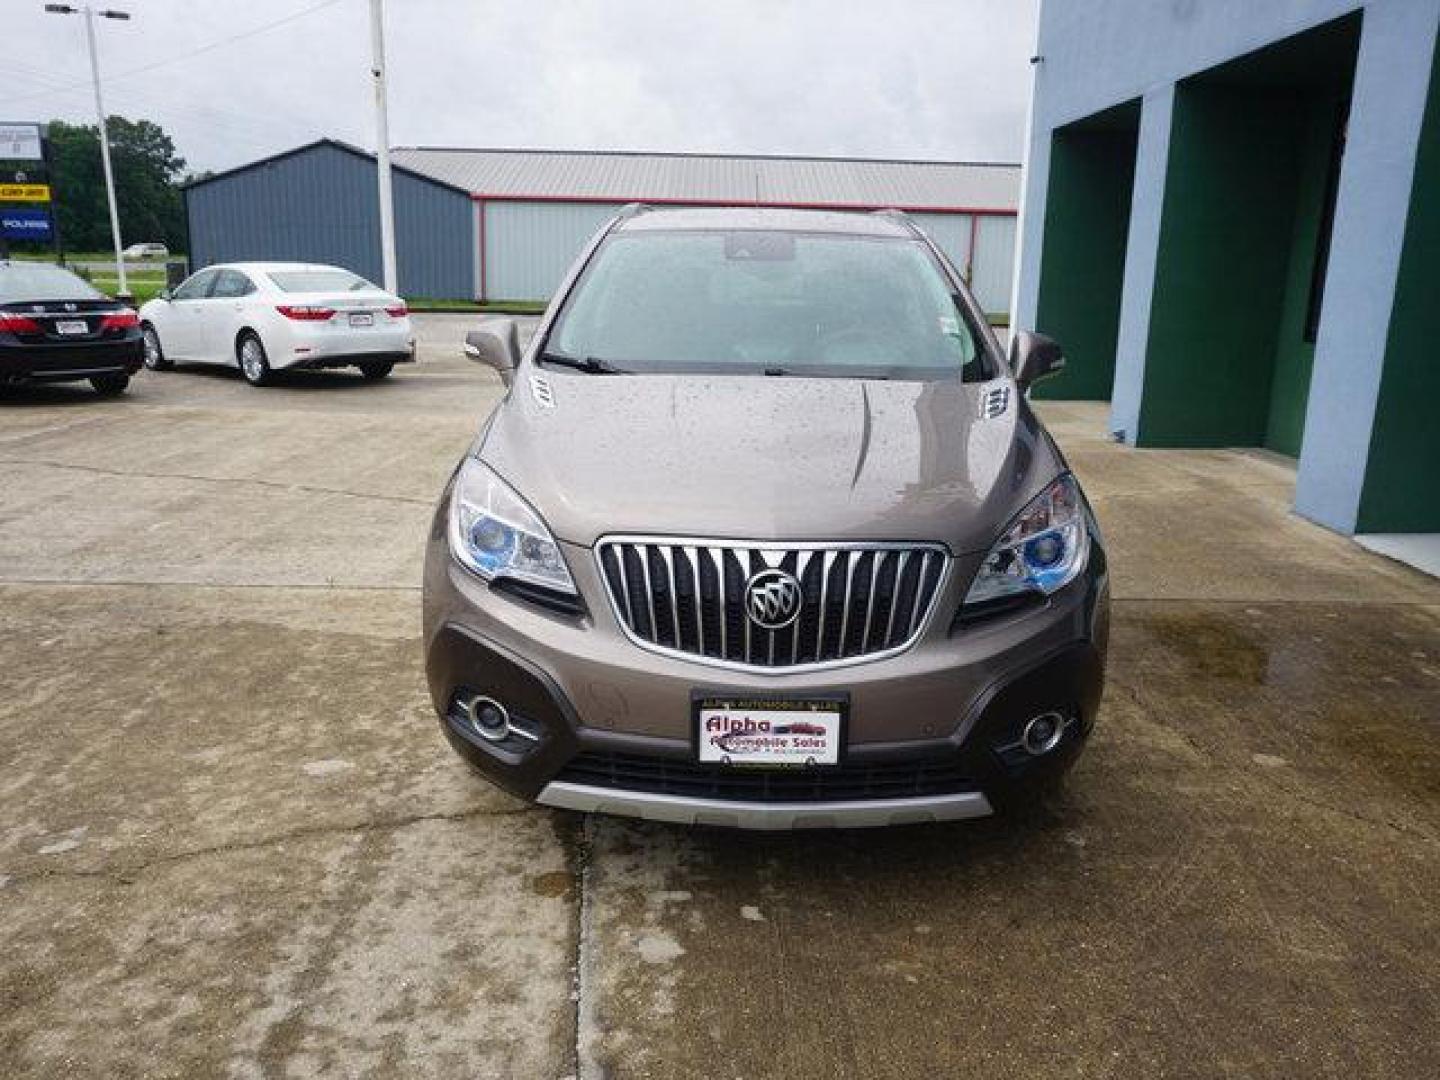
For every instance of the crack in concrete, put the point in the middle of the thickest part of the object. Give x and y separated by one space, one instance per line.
587 1066
1345 811
311 489
126 875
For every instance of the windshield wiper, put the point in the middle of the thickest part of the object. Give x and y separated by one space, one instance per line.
590 364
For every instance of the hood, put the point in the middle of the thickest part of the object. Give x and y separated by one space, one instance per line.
756 458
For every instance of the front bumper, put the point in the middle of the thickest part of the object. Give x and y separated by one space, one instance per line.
933 732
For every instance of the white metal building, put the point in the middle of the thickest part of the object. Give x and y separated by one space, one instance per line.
505 224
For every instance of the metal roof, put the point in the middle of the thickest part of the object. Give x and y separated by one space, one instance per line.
622 176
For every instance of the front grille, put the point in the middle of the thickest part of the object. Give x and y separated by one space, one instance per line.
689 597
674 776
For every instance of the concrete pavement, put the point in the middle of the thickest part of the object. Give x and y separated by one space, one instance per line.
233 843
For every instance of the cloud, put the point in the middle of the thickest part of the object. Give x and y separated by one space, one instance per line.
903 78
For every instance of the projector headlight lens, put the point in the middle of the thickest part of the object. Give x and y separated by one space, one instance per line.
1042 550
496 534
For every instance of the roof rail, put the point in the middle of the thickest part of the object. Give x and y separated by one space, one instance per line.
900 217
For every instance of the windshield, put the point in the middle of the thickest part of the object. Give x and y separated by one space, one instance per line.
22 282
318 281
778 303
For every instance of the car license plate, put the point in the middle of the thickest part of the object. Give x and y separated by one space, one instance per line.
362 318
769 732
70 327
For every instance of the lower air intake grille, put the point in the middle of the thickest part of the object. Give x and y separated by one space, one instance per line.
675 776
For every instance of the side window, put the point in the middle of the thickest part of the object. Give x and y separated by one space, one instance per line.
196 286
232 284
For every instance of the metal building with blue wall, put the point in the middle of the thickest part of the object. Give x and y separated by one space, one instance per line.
505 224
319 203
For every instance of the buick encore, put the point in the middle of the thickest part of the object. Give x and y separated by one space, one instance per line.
764 533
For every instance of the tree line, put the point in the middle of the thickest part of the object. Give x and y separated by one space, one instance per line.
148 176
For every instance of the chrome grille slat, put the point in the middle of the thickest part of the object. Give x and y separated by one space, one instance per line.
668 558
699 605
895 596
877 566
848 581
746 569
718 558
826 564
649 590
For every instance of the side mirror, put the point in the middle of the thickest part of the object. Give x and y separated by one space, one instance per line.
496 345
164 294
1034 357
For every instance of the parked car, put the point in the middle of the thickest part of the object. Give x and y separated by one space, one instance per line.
56 327
754 463
265 317
146 251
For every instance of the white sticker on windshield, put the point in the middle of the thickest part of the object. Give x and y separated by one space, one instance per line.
949 325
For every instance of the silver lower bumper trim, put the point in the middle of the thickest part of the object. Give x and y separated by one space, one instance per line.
854 814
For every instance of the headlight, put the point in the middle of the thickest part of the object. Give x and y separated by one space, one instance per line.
1042 550
494 533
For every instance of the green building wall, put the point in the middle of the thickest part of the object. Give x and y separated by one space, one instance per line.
1087 219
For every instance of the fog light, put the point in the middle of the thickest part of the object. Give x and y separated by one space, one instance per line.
488 718
1043 733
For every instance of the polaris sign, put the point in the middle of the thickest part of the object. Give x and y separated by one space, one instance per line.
26 225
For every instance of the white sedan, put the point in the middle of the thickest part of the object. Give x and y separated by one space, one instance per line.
267 317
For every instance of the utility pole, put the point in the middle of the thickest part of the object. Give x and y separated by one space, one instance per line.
90 13
382 145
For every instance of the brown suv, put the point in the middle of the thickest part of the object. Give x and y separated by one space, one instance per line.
765 534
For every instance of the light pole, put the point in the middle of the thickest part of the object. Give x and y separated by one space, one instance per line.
382 147
90 14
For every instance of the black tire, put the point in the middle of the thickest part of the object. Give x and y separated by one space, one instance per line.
377 369
112 384
250 356
154 354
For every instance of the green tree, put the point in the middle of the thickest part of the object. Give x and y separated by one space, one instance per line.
148 173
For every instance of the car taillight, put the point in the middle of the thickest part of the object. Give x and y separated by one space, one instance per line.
119 320
397 312
18 324
305 313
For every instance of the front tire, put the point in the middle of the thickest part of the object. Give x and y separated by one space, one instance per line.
110 385
377 370
254 364
154 354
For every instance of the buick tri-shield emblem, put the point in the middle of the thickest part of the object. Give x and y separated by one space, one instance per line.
772 599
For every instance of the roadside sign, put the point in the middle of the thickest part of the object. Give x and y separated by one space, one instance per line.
21 142
24 192
26 225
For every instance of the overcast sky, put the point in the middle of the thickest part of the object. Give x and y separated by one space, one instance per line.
942 79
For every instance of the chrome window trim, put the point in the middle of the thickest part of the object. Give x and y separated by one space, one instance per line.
767 547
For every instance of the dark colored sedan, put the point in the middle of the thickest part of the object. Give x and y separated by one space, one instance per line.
55 327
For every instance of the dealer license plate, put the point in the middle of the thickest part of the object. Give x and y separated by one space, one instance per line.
362 318
71 326
769 732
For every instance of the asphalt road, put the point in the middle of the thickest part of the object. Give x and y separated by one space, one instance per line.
233 843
